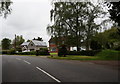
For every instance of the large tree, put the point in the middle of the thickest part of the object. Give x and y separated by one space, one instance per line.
75 19
115 13
6 43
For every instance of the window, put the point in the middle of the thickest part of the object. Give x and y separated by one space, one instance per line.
53 49
31 44
51 43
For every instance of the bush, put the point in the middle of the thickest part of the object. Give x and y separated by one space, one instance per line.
62 51
95 45
86 53
18 49
45 52
27 53
4 51
11 52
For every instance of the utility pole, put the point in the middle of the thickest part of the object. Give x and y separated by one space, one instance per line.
15 43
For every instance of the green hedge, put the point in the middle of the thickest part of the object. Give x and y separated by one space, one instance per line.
12 52
33 53
26 53
86 53
4 51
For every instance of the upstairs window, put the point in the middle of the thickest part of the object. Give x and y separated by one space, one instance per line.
31 44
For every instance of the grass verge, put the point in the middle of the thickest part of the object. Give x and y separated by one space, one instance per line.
103 55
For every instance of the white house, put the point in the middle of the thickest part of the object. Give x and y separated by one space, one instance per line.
33 45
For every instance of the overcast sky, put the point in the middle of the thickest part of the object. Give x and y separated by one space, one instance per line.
28 18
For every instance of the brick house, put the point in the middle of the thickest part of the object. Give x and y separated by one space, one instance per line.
53 48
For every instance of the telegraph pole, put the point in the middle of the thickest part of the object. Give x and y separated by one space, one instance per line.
15 43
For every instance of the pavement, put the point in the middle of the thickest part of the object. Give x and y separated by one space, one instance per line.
42 69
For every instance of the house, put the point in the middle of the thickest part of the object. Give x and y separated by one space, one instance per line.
53 47
33 45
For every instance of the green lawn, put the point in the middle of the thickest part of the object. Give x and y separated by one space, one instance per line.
75 57
103 55
53 53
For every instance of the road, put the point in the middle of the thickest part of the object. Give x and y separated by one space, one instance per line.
40 69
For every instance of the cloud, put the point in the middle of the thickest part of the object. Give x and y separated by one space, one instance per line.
28 18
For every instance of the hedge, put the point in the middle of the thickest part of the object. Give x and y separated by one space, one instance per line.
12 52
33 53
86 53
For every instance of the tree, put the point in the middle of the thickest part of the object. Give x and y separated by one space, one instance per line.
6 44
28 40
18 41
75 19
5 8
109 39
95 45
39 39
67 18
115 13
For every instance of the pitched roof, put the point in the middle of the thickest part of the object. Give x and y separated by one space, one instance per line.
25 43
39 43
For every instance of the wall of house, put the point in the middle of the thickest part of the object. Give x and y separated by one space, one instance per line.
53 48
31 46
38 47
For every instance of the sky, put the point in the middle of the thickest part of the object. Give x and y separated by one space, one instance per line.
28 18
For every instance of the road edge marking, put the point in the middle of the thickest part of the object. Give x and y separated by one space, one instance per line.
48 74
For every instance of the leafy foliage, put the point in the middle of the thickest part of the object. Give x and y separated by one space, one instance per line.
95 45
74 19
18 41
6 44
39 39
62 51
108 39
84 53
115 12
5 8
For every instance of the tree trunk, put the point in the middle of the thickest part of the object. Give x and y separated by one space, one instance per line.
87 44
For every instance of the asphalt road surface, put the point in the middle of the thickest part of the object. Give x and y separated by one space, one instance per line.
40 69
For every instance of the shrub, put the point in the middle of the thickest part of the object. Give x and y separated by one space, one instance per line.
62 51
86 53
11 52
95 45
43 51
18 49
26 53
4 51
